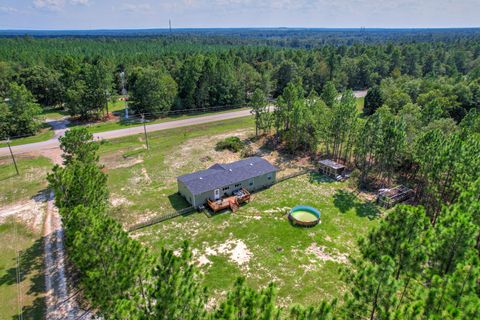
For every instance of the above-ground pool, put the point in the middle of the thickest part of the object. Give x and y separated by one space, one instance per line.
304 216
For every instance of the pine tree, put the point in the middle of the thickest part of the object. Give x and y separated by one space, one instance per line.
244 303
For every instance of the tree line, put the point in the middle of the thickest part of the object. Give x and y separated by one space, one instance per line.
196 73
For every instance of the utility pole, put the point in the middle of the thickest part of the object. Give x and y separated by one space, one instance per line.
13 157
124 93
170 25
145 131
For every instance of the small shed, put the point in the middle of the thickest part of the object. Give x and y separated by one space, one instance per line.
387 198
332 169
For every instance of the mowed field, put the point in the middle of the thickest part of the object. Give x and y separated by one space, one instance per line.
22 208
258 241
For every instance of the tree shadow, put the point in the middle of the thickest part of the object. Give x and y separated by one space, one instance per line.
316 177
346 200
30 264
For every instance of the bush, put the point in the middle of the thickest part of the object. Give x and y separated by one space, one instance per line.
233 144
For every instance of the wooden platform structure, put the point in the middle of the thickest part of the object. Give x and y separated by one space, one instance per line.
332 169
233 202
387 198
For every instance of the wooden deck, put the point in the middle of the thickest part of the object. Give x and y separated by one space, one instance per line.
233 202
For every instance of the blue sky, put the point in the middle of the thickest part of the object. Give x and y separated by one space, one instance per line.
111 14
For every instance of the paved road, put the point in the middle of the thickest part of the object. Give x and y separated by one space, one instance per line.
60 129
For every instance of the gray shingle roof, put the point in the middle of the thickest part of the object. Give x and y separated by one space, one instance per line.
331 164
220 175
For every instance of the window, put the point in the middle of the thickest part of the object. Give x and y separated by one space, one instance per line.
226 188
238 185
269 177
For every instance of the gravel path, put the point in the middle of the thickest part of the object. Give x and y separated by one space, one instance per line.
58 304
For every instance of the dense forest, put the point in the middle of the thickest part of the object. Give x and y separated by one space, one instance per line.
186 72
420 126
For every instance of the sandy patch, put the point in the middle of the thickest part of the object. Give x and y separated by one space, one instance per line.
320 253
117 201
236 251
200 152
116 160
30 212
283 210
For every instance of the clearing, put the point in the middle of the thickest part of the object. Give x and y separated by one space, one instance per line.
257 242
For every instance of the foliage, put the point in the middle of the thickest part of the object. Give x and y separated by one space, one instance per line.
373 100
152 92
77 145
245 303
20 113
233 144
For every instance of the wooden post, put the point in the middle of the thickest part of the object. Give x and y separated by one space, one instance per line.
13 157
145 131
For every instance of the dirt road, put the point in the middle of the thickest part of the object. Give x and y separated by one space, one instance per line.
59 131
59 306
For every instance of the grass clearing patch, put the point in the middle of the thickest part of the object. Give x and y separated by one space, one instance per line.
32 178
13 237
258 241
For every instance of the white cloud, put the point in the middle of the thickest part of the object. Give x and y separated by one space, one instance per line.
58 5
81 2
53 5
140 7
4 9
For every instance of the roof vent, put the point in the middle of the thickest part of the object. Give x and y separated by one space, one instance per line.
201 178
251 164
230 170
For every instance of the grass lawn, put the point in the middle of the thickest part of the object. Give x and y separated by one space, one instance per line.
45 133
360 104
13 237
54 114
258 241
146 180
32 178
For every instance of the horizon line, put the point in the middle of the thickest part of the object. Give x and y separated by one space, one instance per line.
240 28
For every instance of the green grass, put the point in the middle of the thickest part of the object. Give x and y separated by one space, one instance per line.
144 186
46 133
54 114
360 104
13 237
31 180
151 185
279 252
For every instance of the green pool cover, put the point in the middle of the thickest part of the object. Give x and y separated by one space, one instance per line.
303 215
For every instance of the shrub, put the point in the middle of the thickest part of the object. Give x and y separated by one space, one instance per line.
233 144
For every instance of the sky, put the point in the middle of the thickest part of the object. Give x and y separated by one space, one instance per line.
132 14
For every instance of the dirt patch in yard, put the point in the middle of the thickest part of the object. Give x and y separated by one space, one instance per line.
181 160
117 160
235 249
321 253
30 212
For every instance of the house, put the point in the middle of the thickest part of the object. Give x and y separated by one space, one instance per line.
221 180
332 169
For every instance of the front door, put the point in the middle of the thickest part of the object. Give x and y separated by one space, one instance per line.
216 194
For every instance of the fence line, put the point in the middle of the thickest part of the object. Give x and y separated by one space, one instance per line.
294 175
161 218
